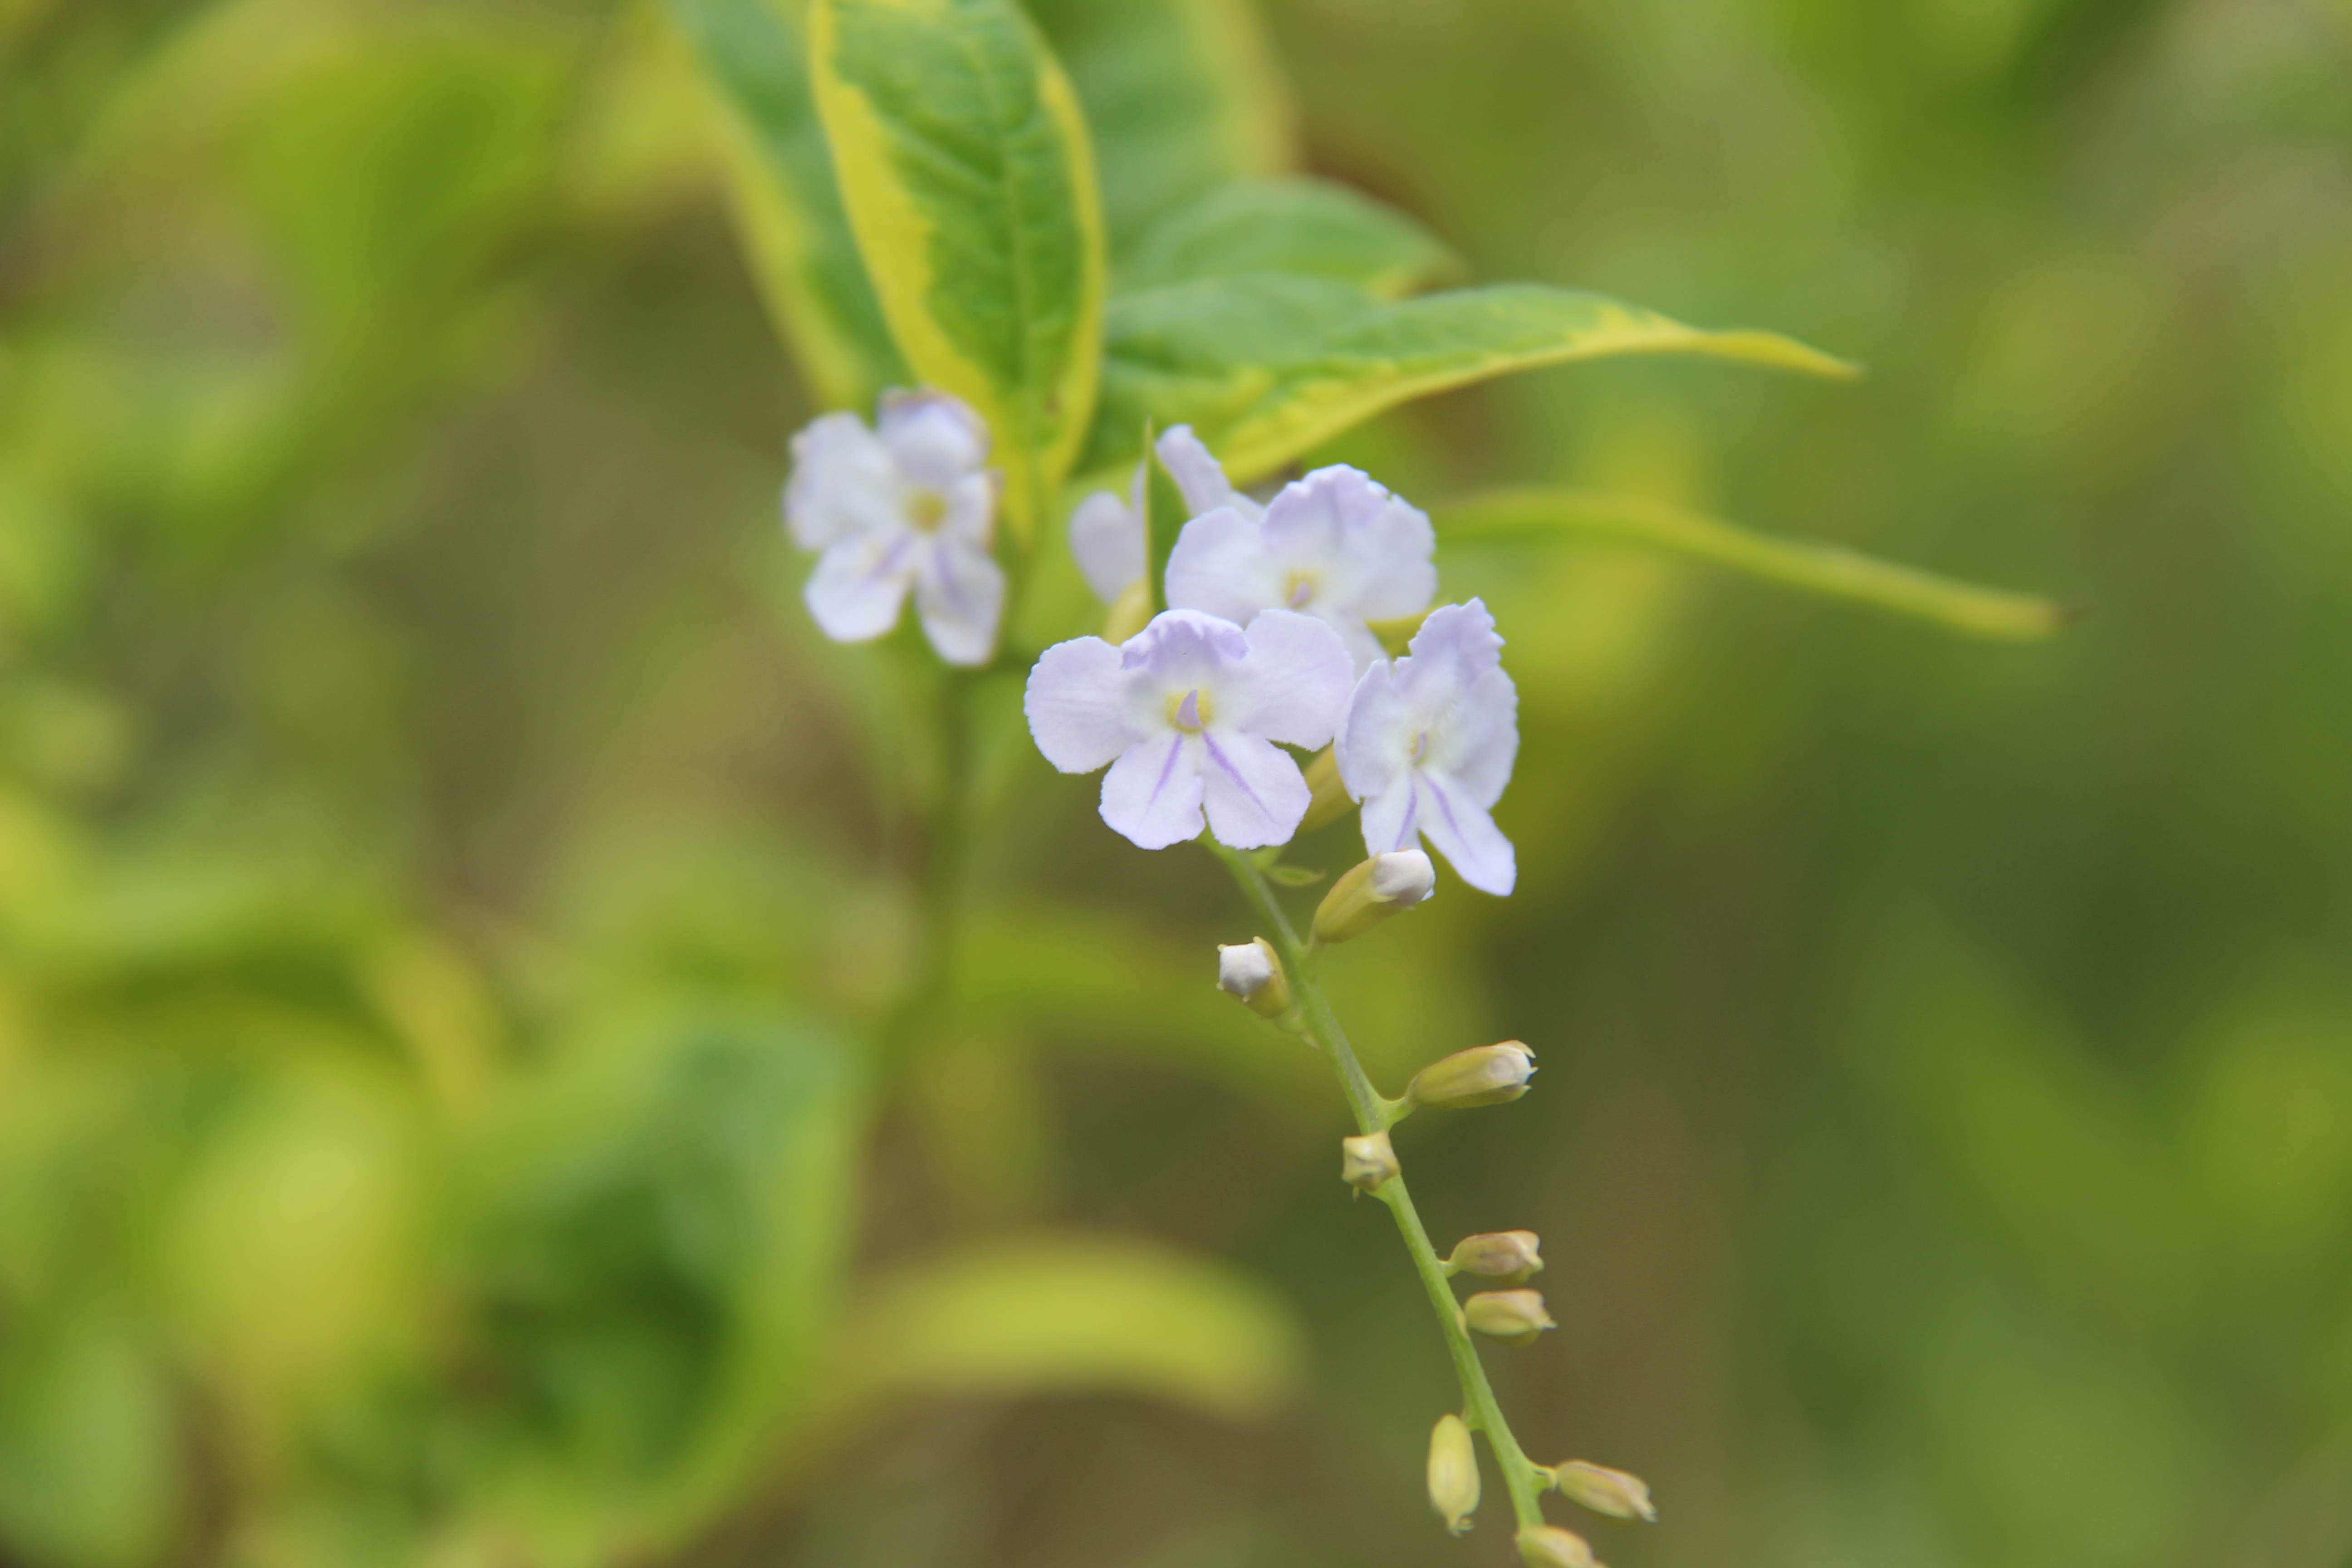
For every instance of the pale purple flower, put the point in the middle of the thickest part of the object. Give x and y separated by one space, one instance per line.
1186 713
1428 744
911 504
1107 533
1334 545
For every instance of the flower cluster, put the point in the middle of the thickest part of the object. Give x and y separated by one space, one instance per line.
1425 742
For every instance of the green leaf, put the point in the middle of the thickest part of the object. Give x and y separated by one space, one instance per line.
780 182
1543 512
1298 224
1080 1313
651 1234
1265 366
1183 95
963 157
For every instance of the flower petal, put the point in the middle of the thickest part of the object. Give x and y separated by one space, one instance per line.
1390 820
860 584
1076 703
1375 742
971 517
1256 793
1387 568
1152 794
960 594
1462 832
1455 679
1220 565
1186 644
1293 685
843 483
934 439
1199 476
1107 537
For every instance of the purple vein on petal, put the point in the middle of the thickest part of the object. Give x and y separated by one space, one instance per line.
1168 768
1234 773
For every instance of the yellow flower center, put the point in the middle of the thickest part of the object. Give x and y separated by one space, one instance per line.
1191 712
1298 589
926 510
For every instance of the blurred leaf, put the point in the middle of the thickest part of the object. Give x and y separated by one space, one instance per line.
963 158
654 1234
1096 980
1537 513
86 1447
386 174
1265 366
1080 1314
1182 96
1294 876
1313 227
779 178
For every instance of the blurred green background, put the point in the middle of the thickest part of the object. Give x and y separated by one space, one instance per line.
446 884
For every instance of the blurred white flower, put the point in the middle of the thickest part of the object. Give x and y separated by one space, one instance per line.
1186 712
908 505
1428 744
1107 533
1334 545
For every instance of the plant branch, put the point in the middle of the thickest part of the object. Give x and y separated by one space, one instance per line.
1482 1412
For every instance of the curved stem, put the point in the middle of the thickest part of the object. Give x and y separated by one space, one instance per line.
1480 1410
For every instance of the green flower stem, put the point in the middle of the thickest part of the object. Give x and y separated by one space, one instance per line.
944 849
1374 1114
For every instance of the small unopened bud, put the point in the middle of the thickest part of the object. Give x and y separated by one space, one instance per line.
1483 1075
1508 1257
1370 891
1514 1316
1331 800
1366 1163
1252 972
1129 612
1453 1474
1604 1490
1550 1546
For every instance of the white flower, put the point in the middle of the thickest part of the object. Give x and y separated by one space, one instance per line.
1186 712
911 505
1428 744
1334 545
1107 533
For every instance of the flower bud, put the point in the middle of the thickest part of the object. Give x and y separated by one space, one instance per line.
1367 1162
1508 1256
1453 1474
1483 1075
1514 1316
1129 612
1604 1490
1332 800
1370 891
1252 972
1550 1546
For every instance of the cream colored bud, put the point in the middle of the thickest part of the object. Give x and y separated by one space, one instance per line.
1252 972
1604 1490
1483 1075
1453 1474
1332 800
1370 891
1367 1162
1514 1316
1510 1256
1550 1546
1129 612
